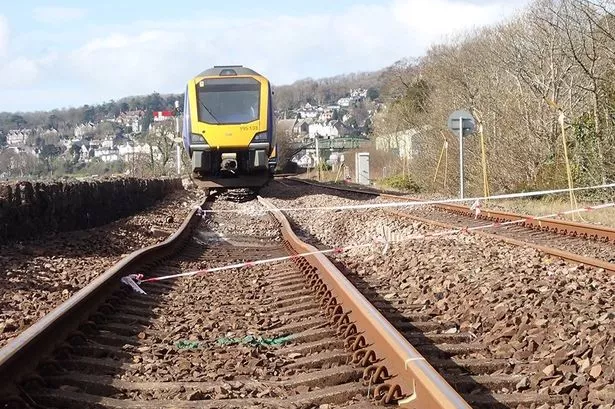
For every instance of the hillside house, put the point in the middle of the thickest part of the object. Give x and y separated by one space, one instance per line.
107 154
131 119
358 94
307 111
344 102
329 130
82 130
86 153
327 114
129 152
302 127
18 137
401 142
160 116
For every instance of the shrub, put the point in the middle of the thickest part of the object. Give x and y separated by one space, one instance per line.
401 182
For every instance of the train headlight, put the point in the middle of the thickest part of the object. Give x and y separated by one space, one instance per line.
196 139
261 137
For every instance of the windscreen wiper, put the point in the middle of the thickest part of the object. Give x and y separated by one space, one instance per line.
210 113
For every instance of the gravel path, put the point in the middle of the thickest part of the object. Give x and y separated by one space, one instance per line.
523 305
38 275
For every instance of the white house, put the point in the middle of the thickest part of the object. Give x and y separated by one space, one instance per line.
128 152
308 111
329 130
84 129
358 94
17 137
106 154
344 102
402 142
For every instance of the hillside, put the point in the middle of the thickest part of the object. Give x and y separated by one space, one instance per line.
319 91
325 91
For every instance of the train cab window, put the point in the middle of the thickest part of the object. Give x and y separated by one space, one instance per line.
228 100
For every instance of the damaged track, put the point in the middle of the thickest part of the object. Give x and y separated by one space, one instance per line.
289 334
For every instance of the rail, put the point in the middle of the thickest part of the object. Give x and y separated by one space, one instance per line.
23 353
408 378
593 232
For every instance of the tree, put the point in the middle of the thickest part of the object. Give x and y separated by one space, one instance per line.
556 56
146 120
373 93
89 114
17 121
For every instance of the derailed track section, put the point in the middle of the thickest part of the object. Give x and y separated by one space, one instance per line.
290 334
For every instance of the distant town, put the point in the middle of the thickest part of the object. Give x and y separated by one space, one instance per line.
92 141
137 136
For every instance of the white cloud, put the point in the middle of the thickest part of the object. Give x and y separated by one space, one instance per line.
282 47
161 56
18 72
430 20
4 35
55 15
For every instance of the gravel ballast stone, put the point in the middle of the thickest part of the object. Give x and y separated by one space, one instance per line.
40 274
524 305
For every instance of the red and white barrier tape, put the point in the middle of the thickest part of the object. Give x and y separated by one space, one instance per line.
134 280
412 203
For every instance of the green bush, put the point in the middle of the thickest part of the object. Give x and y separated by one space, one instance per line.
401 182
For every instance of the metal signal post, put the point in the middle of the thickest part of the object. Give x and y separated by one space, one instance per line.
178 147
463 122
461 157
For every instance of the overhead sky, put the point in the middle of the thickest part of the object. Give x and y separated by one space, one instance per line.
62 53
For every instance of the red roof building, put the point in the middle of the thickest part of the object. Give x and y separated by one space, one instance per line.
162 115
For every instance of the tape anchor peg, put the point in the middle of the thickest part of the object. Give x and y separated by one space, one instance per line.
383 236
200 212
476 208
133 280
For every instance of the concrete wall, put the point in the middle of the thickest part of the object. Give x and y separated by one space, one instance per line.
28 209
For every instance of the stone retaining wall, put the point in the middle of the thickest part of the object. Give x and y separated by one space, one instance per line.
28 209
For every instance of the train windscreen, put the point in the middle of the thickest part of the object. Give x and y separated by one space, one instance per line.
228 100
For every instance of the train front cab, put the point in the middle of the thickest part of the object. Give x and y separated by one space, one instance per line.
230 123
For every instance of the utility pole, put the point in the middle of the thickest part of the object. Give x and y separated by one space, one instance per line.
318 157
461 157
178 140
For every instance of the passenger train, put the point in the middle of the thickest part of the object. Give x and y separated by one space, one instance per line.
228 127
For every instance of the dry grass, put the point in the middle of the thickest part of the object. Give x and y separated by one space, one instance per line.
542 207
532 207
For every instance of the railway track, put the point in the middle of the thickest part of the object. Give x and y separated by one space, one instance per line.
299 333
291 334
507 366
587 244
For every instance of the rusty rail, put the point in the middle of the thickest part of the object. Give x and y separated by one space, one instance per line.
565 227
22 354
589 231
396 369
